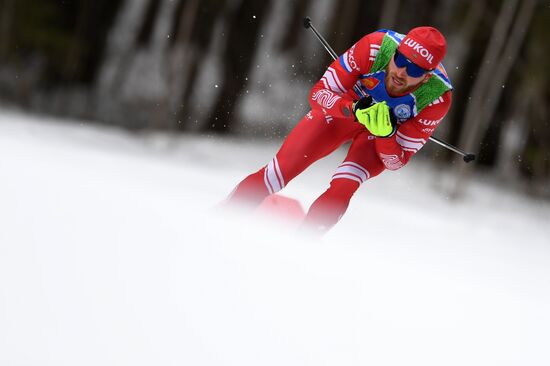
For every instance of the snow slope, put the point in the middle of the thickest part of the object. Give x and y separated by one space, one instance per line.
112 252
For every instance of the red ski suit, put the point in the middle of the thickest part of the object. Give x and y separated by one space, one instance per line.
328 125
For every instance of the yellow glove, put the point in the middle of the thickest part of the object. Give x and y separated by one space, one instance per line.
377 118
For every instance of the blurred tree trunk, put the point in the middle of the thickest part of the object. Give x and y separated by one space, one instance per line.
472 123
540 149
120 51
515 131
272 69
534 155
496 83
209 41
286 63
501 72
509 57
72 59
120 47
183 58
343 23
459 47
202 55
459 43
243 24
6 18
388 17
186 18
151 93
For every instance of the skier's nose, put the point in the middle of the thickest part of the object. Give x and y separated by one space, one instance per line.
401 72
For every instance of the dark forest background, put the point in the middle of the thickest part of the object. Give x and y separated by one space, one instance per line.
244 67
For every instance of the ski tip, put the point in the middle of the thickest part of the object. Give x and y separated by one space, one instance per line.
282 207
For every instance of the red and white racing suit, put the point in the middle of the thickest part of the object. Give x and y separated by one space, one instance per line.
328 125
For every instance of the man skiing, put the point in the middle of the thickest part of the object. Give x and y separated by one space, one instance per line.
407 94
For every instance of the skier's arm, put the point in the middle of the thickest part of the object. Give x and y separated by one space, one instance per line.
329 93
411 135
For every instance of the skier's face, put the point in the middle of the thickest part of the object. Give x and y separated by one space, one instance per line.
398 82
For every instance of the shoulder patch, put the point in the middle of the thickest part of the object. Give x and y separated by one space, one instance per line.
347 60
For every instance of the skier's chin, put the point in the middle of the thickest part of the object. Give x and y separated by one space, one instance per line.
395 86
394 90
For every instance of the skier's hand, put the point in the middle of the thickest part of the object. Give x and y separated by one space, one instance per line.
377 118
362 103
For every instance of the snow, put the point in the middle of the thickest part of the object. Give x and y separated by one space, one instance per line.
113 251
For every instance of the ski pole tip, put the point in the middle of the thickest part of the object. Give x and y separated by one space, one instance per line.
307 22
469 157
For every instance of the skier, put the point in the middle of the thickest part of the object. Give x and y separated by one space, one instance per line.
407 94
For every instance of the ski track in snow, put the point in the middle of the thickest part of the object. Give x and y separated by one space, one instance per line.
113 252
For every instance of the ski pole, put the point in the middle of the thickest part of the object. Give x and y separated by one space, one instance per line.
467 157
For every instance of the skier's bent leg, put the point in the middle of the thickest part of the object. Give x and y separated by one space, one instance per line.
257 186
250 192
327 210
361 163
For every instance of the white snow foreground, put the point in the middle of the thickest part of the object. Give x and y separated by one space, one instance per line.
112 253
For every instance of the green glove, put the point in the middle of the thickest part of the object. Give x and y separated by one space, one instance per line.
376 118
